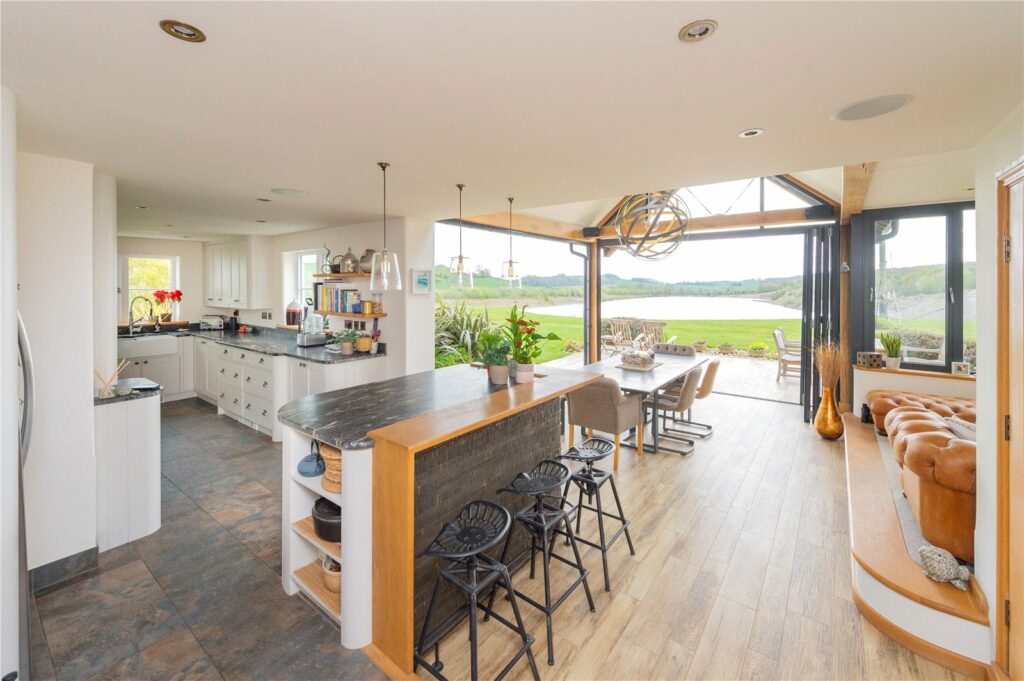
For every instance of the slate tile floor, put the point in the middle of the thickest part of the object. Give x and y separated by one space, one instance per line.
201 598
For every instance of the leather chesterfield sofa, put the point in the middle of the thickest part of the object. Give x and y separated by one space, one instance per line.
937 468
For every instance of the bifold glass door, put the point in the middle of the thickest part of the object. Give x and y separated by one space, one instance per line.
913 277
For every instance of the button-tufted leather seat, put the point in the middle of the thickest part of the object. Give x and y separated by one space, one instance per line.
937 469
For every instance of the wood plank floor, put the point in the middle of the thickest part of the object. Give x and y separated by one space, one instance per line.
742 570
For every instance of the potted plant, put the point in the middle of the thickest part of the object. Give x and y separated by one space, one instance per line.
893 345
363 342
164 299
700 346
345 340
526 342
494 352
758 349
727 348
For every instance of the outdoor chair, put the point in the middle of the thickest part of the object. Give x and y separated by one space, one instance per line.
622 334
789 355
602 406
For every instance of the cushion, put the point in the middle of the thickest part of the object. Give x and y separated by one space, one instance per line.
965 430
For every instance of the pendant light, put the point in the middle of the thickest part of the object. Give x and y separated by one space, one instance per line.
458 271
385 276
509 277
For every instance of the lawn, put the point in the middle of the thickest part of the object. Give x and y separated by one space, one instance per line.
740 332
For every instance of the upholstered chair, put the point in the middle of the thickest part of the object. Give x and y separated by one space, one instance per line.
676 404
602 406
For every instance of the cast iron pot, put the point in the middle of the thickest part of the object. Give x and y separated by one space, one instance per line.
327 520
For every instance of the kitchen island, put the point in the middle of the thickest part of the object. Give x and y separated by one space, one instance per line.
414 450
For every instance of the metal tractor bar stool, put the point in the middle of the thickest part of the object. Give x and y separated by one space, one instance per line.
589 480
478 527
544 521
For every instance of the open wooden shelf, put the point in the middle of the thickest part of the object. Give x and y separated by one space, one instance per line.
358 315
342 275
313 485
311 582
304 528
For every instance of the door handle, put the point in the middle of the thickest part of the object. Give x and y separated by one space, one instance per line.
952 296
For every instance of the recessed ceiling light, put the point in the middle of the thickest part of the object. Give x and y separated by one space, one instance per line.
872 108
696 31
182 31
168 225
261 221
969 189
751 132
289 192
142 207
260 198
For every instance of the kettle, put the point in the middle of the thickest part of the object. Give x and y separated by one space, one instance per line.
347 263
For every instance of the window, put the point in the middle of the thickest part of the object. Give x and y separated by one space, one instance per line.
306 265
140 276
914 277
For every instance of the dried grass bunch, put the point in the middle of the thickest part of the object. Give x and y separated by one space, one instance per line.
830 363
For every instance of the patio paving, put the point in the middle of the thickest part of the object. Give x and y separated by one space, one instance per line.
737 375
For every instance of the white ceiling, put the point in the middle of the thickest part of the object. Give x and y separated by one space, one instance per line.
551 102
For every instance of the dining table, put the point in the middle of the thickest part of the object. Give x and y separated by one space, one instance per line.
667 369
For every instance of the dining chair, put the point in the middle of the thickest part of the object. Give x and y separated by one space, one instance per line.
602 406
707 385
676 404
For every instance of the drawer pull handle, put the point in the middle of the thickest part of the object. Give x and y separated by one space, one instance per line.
235 375
248 405
264 412
222 394
222 370
265 384
248 378
241 355
261 359
236 400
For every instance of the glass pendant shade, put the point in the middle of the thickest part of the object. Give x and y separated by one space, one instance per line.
509 277
385 275
459 274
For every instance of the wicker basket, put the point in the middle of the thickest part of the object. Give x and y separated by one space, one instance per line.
331 480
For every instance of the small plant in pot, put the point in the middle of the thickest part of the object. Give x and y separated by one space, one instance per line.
363 342
893 345
494 352
758 349
526 342
700 346
727 348
346 341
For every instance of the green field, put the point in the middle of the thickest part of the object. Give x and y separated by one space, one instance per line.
740 332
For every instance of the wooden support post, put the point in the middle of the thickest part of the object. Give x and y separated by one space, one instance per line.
593 281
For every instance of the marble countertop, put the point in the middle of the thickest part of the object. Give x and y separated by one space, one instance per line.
344 417
135 394
278 342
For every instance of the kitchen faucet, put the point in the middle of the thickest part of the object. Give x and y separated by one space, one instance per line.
131 313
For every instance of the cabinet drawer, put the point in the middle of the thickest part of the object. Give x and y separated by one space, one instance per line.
258 382
229 374
230 400
225 353
253 359
259 411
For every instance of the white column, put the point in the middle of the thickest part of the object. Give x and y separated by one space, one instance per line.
9 458
104 267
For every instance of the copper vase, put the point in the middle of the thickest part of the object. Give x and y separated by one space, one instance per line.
827 421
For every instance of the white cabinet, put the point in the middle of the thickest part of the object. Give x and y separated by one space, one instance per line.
311 378
133 370
233 273
187 371
203 351
165 370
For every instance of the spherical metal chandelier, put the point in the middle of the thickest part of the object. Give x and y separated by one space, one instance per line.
651 226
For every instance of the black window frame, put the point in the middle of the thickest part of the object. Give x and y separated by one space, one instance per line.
862 278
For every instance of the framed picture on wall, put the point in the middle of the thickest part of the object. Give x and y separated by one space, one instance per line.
422 281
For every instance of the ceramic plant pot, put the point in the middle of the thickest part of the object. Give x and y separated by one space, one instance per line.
827 421
347 348
498 374
524 373
892 362
700 346
332 574
363 343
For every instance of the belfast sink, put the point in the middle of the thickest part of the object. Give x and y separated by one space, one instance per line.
146 346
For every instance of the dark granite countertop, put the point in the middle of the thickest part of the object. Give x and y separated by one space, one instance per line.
278 342
344 417
135 394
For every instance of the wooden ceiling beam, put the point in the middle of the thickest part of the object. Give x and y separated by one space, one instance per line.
529 224
856 180
761 218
